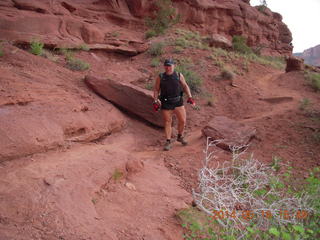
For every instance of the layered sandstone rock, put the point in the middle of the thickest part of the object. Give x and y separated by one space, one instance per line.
42 107
294 64
127 96
66 23
229 133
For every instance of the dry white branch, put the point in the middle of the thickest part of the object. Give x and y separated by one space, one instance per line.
233 189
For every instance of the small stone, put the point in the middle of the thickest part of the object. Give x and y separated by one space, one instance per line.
130 186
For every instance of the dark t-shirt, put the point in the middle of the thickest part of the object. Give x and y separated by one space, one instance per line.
170 85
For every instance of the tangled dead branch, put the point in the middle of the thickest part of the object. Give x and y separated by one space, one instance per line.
242 192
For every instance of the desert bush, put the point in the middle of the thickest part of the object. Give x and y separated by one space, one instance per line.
178 50
314 79
155 62
227 74
244 199
156 49
84 47
239 44
36 47
304 104
150 33
117 175
77 64
164 17
192 78
1 51
149 86
181 42
49 55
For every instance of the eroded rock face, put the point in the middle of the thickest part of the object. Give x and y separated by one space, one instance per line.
42 107
230 132
67 24
294 64
129 97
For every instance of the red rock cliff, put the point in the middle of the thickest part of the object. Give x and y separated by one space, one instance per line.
92 21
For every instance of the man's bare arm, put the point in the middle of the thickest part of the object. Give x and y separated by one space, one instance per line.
185 86
156 89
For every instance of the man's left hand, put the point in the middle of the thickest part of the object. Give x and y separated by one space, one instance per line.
191 101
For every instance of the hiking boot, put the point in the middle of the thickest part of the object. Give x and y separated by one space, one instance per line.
167 146
181 139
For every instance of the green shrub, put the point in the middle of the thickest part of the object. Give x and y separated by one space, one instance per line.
181 42
77 64
117 175
178 50
155 62
36 47
150 33
49 55
314 79
192 78
304 104
227 74
156 49
149 86
1 51
84 47
239 44
164 17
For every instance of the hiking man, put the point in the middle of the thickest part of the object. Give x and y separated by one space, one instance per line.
171 86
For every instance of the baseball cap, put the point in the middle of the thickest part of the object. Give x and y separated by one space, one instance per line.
168 62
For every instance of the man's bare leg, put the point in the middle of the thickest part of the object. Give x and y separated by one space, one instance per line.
167 117
181 116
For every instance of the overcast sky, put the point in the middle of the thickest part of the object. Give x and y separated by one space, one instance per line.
302 18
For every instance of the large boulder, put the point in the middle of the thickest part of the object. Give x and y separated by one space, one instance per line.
230 133
294 64
217 40
132 98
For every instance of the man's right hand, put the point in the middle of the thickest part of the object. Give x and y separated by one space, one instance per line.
156 106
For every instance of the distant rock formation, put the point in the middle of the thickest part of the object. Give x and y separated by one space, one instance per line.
311 56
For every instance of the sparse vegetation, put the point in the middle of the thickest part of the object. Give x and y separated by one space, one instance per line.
189 39
49 55
178 50
1 51
77 64
36 47
314 79
239 44
227 74
263 6
156 49
149 86
155 62
193 79
84 47
164 17
274 210
94 201
73 63
304 104
117 175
